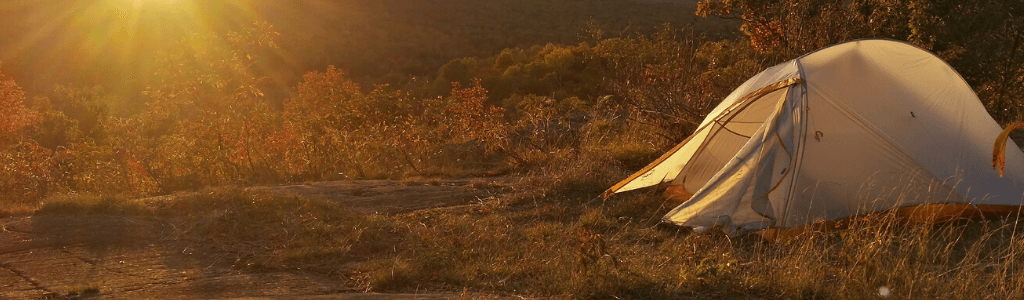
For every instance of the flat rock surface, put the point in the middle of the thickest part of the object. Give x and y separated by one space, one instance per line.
116 257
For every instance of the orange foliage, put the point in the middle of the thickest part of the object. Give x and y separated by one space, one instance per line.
322 119
345 133
27 172
14 117
474 120
208 120
764 36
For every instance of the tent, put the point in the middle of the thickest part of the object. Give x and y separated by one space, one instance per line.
854 128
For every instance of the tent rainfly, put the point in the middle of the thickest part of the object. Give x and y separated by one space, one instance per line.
855 128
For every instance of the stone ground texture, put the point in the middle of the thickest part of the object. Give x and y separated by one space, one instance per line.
54 256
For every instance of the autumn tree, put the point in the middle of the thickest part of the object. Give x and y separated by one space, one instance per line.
981 39
207 117
24 164
14 116
330 113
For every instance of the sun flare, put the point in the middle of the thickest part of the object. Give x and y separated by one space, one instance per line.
155 3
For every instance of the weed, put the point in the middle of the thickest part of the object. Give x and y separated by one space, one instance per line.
91 204
82 291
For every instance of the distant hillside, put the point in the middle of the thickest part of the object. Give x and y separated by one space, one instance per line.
89 42
416 36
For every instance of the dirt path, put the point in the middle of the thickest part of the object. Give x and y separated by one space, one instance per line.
114 257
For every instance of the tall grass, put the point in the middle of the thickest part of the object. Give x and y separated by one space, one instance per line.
616 251
548 239
561 244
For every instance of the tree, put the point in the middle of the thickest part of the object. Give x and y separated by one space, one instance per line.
208 118
983 40
327 113
14 116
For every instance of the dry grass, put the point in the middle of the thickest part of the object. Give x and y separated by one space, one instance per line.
91 204
277 231
555 242
80 292
616 251
262 230
17 209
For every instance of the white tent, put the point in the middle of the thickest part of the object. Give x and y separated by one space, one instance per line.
854 128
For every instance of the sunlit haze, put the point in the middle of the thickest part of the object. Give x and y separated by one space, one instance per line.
104 42
156 3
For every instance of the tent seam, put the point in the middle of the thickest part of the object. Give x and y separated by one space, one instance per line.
801 142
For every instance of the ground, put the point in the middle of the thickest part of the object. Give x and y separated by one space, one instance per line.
132 257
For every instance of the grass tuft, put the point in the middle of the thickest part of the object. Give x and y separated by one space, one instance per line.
92 204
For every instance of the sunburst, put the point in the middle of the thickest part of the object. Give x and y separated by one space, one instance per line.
108 42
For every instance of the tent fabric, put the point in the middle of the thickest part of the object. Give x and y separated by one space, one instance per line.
850 129
665 168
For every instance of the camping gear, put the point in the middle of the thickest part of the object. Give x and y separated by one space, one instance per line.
851 129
